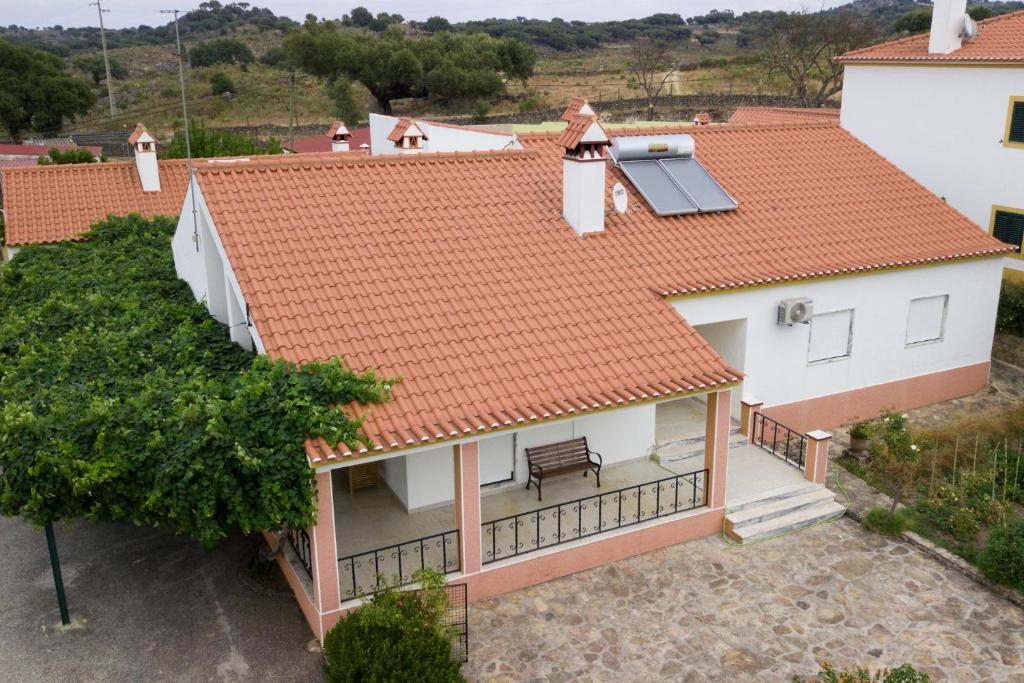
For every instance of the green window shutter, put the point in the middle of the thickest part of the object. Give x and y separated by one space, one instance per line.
1009 227
1017 122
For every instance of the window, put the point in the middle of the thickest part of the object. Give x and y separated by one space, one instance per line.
1014 136
831 336
1008 225
926 321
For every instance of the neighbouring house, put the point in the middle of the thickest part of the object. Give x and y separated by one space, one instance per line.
947 107
406 135
693 304
17 155
784 115
359 139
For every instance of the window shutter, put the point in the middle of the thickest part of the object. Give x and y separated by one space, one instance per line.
1017 122
926 318
831 335
1009 227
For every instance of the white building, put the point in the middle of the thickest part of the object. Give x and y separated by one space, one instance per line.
947 107
655 294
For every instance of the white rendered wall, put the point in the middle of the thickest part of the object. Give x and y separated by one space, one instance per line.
439 138
775 362
188 261
394 474
729 339
944 127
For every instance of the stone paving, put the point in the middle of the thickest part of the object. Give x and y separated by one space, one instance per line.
707 610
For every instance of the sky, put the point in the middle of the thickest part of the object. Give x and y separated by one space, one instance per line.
33 13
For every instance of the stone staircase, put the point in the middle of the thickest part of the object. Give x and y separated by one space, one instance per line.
780 511
691 447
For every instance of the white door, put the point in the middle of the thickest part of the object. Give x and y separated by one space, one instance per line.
497 459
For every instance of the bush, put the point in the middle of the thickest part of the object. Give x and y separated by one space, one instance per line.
885 522
901 674
1002 559
78 155
221 84
860 430
220 51
1010 316
481 110
397 636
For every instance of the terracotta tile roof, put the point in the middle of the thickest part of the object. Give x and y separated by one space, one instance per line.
322 143
335 127
47 204
1000 39
783 115
457 273
137 133
398 132
573 110
574 133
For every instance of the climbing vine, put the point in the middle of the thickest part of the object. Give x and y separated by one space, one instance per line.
122 399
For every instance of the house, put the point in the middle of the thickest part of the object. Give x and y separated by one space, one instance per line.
16 155
784 115
406 135
698 303
947 107
359 138
49 204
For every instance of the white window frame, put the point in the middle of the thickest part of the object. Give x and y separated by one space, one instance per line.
942 325
849 338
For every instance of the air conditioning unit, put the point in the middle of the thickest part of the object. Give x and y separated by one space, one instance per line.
792 311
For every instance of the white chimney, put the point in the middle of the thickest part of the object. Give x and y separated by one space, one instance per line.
583 169
339 136
144 146
947 26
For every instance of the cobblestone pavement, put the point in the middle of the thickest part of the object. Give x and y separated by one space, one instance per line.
707 610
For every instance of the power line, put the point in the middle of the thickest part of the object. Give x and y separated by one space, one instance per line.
188 139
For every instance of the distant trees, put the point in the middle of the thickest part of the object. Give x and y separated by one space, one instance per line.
393 66
220 51
35 91
221 84
436 25
652 64
803 48
93 65
217 142
346 106
75 155
915 21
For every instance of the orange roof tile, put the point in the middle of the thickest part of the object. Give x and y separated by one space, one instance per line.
1000 39
137 133
572 135
335 127
783 115
46 204
457 273
400 129
574 108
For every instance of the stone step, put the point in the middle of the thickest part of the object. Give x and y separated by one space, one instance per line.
780 493
686 448
764 510
792 521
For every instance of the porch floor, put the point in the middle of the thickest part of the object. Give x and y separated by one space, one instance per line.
753 472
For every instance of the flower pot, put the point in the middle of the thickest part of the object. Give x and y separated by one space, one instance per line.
858 445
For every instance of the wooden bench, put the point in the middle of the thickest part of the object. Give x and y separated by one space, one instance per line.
560 458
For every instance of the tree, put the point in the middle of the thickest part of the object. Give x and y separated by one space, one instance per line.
220 51
36 93
76 155
221 84
915 21
980 12
361 16
346 106
652 63
804 47
93 65
123 400
217 142
518 60
436 25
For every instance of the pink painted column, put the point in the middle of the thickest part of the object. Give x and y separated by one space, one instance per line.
324 550
816 464
467 504
716 445
749 408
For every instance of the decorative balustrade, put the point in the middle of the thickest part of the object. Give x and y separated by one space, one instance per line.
779 440
361 573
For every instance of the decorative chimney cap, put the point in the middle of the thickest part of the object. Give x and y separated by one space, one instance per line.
338 130
583 130
577 107
140 134
702 119
405 128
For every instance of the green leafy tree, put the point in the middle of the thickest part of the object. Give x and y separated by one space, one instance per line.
915 21
361 16
93 65
220 51
123 400
35 91
980 12
899 457
78 155
397 636
347 106
217 142
221 84
436 25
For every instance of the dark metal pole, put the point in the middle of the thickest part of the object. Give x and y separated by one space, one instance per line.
58 580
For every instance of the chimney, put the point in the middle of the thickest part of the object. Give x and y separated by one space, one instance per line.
583 168
577 107
947 26
144 147
407 136
339 136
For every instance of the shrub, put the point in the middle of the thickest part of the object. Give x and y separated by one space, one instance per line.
481 110
901 674
221 84
220 51
1002 559
1010 316
397 636
885 522
860 430
76 155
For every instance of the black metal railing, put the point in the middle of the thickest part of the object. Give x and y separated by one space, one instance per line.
361 573
298 539
780 440
527 532
456 618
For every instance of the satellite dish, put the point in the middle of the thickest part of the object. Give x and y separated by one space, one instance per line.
620 198
970 29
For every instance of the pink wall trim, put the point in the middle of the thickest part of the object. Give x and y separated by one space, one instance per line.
716 444
496 580
467 504
301 596
816 462
827 412
324 548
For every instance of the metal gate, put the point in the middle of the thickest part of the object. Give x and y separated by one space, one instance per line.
457 619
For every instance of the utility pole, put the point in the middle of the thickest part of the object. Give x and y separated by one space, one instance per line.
106 59
291 112
188 139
